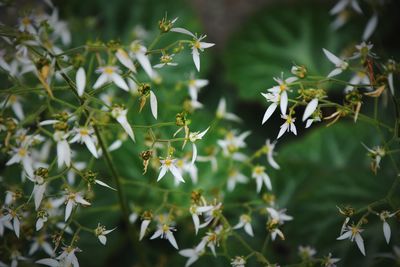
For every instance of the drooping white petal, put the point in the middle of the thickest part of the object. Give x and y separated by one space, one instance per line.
103 78
39 224
177 174
370 28
49 262
204 45
182 30
145 63
338 7
63 153
163 171
345 235
309 122
196 222
68 209
390 81
283 102
90 146
156 234
196 58
34 248
311 107
360 243
334 72
267 181
16 225
102 239
119 81
153 104
293 128
171 239
283 129
39 192
386 231
124 59
270 110
80 81
127 127
194 153
248 229
19 112
48 249
143 228
356 6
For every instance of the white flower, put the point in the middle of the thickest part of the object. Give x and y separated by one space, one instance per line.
279 91
211 214
270 154
210 240
261 177
119 114
40 242
196 211
193 137
310 108
360 78
80 81
288 126
4 223
195 85
197 45
328 261
72 199
233 142
38 190
21 155
245 221
110 74
192 255
354 233
166 60
165 231
306 252
16 106
340 64
68 257
139 52
85 135
125 60
169 164
364 50
221 112
42 218
279 216
370 27
15 257
238 262
101 233
143 228
12 216
386 227
235 177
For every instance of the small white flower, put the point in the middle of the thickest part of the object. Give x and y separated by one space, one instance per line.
386 227
119 114
279 91
63 149
279 216
195 85
197 45
310 108
238 261
68 257
210 240
193 137
233 142
110 74
261 177
196 211
288 126
359 78
169 164
125 60
85 135
235 177
72 199
12 216
354 233
192 255
245 221
22 155
221 112
166 60
307 252
101 233
270 154
340 64
80 81
40 242
165 231
328 261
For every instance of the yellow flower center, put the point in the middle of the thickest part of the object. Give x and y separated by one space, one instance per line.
361 74
83 132
108 70
26 21
168 162
259 170
22 152
282 87
196 44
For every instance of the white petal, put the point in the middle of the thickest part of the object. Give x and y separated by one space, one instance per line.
196 222
49 262
16 225
68 209
177 174
390 81
39 224
145 63
194 153
172 240
283 129
103 78
102 239
370 28
196 58
259 184
283 102
184 31
267 181
204 45
143 228
163 170
90 146
19 112
79 199
104 184
360 243
127 127
293 128
48 122
156 234
248 229
123 57
270 110
386 231
356 6
311 107
39 192
332 58
153 104
334 72
48 249
309 122
80 81
34 248
117 79
338 7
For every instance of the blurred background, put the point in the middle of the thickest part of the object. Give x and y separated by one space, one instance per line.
256 40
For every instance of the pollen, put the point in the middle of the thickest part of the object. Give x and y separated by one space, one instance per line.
168 162
109 70
282 87
196 44
83 132
22 152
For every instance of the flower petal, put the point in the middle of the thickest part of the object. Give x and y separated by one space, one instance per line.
311 107
80 81
153 104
